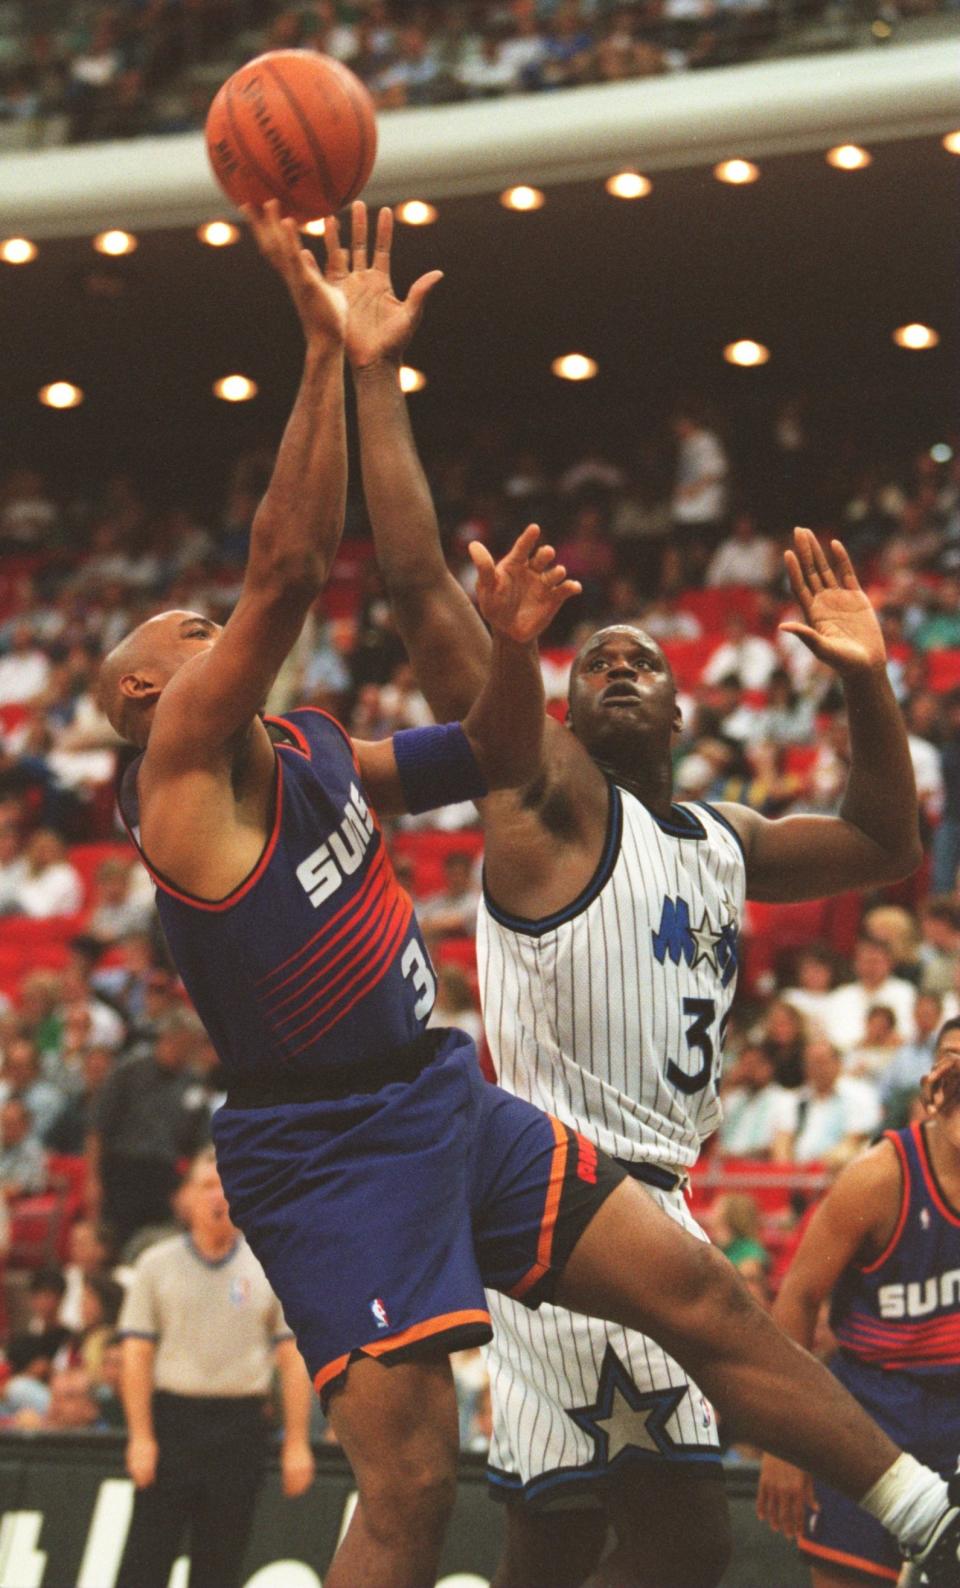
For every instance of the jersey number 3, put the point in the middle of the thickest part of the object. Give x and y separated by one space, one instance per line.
698 1036
418 969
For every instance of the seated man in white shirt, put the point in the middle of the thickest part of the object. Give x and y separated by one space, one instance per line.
844 1016
744 557
830 1110
753 1105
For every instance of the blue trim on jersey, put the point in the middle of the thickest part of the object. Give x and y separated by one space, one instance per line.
724 823
507 1486
599 880
683 825
213 1262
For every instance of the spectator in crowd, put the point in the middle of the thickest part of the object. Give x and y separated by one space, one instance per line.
45 1293
938 953
150 1114
816 966
900 1081
699 499
783 1032
71 1129
27 1390
845 1015
21 1078
120 906
752 1104
24 670
829 1114
196 1414
734 1226
453 911
946 839
456 1005
23 1164
100 1303
745 557
881 1040
749 658
50 884
895 927
91 1252
13 867
73 1405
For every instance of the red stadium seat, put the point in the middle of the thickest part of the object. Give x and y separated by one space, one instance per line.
688 658
943 670
427 852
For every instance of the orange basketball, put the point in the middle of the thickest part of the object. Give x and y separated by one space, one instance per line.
294 126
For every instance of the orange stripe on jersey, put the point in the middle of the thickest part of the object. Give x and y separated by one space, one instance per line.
377 866
548 1224
367 986
364 919
367 954
423 1331
923 1153
853 1561
332 1370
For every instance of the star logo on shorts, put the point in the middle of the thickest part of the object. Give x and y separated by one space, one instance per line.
625 1419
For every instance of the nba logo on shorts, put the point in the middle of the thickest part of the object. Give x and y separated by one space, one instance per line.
706 1412
380 1313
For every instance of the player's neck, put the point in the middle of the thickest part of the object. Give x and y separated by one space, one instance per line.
651 785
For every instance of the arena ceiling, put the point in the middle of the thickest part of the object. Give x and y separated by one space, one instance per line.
818 264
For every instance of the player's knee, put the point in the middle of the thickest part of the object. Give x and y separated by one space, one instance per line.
411 1497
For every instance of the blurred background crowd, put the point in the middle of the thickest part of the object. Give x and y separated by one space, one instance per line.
108 1082
74 70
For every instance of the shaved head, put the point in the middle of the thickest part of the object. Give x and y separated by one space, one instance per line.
134 674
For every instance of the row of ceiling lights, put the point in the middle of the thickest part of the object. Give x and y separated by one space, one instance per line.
745 353
417 212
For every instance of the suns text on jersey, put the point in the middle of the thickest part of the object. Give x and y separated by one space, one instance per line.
324 869
916 1299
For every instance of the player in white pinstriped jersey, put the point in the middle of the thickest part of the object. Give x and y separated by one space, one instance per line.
608 952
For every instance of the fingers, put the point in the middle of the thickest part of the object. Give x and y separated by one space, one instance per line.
417 296
383 241
845 568
481 559
358 235
813 560
336 254
797 581
522 548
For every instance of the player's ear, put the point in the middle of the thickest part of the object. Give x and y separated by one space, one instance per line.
138 686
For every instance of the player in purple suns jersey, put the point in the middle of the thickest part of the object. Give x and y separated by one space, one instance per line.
379 1180
884 1245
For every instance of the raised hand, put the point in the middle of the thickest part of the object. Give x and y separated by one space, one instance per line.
841 627
784 1495
320 304
379 324
521 594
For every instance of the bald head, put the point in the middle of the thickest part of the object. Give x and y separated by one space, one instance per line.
135 673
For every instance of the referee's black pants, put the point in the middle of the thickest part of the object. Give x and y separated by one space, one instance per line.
210 1467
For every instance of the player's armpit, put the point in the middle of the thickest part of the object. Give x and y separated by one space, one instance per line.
793 858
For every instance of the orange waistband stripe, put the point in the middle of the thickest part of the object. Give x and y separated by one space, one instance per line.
396 1342
548 1224
854 1561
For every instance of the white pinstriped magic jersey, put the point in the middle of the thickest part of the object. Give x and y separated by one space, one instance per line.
611 1016
611 1013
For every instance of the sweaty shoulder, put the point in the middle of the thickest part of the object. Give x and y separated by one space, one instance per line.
867 1195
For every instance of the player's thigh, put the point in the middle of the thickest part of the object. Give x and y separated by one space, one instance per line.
549 1549
398 1426
634 1265
673 1527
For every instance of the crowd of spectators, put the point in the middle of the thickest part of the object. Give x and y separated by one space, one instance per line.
75 70
107 1080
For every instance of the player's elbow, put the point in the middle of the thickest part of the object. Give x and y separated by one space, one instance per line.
903 862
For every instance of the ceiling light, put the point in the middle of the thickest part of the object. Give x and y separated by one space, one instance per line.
736 172
522 198
916 336
314 228
415 212
880 29
115 243
574 366
746 353
219 234
848 157
952 142
411 379
17 251
235 388
941 452
60 394
628 185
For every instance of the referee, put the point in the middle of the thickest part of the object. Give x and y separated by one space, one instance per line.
201 1332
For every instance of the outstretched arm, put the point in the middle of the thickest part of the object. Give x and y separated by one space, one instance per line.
506 725
875 837
446 640
295 532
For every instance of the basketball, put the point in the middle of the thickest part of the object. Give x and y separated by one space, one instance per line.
295 126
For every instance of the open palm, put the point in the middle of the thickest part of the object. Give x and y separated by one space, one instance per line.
521 594
840 626
379 324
